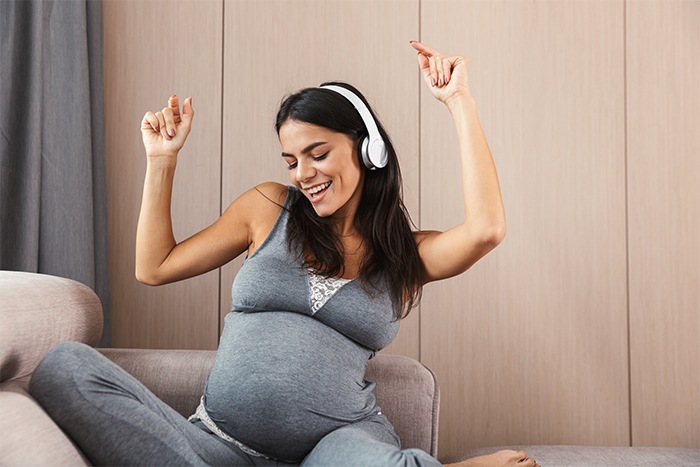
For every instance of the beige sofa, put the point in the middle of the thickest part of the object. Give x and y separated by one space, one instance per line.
39 311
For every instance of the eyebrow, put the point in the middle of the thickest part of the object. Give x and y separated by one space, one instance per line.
306 150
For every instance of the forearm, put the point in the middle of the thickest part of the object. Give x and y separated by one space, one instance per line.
154 233
483 207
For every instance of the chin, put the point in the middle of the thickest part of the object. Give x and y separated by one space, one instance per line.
323 212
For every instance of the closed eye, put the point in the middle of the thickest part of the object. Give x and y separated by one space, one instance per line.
293 165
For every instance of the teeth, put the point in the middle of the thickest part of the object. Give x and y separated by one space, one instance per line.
318 188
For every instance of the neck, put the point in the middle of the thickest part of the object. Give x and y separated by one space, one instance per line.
345 227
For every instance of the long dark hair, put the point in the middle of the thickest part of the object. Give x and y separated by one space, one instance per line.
381 219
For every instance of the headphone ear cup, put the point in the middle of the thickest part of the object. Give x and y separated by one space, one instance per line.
363 147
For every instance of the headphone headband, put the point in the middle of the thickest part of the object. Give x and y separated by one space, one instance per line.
373 149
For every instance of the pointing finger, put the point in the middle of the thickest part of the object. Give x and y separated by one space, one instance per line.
424 49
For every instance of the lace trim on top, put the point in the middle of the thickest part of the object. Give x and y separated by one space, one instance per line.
322 289
202 415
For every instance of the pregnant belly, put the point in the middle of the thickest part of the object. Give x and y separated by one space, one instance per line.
281 381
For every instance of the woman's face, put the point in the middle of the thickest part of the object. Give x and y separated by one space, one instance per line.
323 164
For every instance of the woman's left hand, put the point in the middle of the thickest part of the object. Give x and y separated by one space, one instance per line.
446 77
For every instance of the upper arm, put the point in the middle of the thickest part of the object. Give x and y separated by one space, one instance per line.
447 254
225 239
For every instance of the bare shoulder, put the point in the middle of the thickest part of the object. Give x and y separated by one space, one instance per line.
268 195
258 208
273 192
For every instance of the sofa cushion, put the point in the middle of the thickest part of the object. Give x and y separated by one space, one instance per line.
598 456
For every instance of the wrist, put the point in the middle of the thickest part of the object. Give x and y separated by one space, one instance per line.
461 101
161 160
462 107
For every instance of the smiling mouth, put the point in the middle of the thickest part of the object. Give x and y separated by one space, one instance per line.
318 189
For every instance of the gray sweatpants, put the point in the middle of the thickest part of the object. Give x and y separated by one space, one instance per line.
116 420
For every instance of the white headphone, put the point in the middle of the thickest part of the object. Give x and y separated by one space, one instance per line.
372 147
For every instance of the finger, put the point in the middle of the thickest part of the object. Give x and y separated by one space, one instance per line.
161 123
174 105
150 122
169 121
424 64
187 110
433 71
424 49
447 68
440 71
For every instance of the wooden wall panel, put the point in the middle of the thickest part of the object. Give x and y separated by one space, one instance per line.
274 48
150 52
663 112
530 345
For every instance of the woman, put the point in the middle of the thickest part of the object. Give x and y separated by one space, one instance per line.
317 296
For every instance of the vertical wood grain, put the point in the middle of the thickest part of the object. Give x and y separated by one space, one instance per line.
530 345
663 115
273 48
152 50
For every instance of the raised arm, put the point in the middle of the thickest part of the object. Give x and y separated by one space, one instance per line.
446 254
159 258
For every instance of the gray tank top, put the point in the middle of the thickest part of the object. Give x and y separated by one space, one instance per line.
290 368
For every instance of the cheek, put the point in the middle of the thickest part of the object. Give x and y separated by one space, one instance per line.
293 178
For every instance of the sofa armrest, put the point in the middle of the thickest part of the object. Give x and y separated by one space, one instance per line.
39 311
409 396
177 377
30 437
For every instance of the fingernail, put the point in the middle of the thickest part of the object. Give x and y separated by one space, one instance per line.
171 132
432 80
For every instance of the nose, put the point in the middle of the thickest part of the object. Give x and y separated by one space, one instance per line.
304 171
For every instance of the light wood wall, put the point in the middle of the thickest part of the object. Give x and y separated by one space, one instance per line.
663 162
583 326
150 52
530 345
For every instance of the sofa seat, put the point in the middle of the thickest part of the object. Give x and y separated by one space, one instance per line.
598 456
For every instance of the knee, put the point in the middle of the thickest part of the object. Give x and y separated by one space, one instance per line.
58 367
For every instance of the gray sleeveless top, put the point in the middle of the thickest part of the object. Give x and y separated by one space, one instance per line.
290 368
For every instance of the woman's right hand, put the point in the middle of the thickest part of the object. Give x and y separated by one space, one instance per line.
164 133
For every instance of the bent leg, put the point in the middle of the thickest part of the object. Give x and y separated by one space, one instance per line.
114 419
371 442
